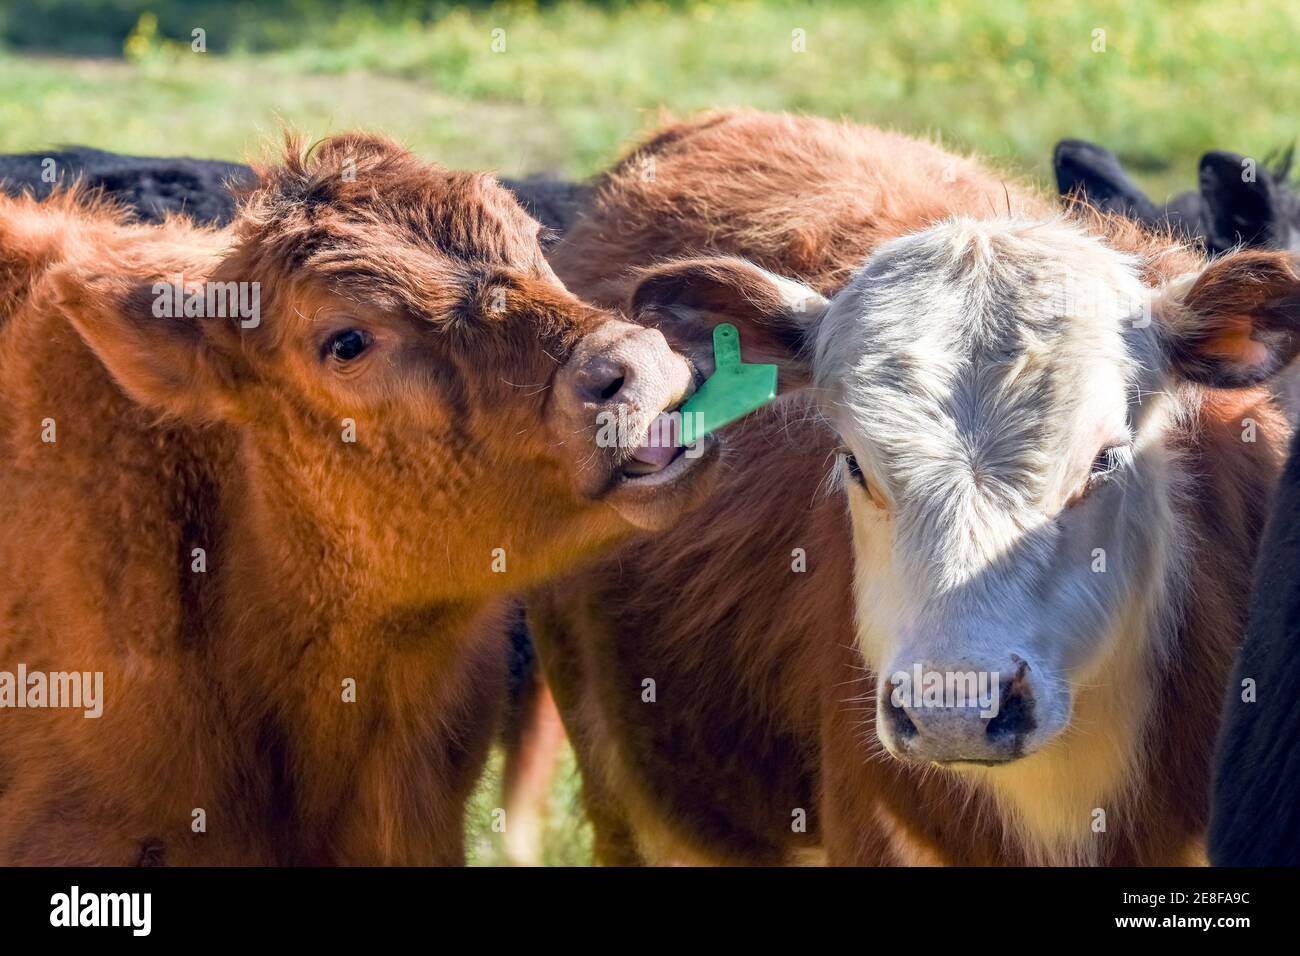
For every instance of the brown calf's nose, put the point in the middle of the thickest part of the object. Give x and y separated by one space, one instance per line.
621 364
620 375
602 378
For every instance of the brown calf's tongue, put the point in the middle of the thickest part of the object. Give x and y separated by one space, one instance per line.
659 443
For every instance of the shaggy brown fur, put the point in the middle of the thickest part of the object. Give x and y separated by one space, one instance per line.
327 561
762 708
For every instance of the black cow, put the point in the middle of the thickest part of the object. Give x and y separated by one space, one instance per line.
151 187
154 186
1236 203
1256 815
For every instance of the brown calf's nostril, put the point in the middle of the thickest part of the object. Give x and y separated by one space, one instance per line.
612 389
601 380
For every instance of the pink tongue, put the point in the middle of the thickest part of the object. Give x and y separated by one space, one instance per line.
659 444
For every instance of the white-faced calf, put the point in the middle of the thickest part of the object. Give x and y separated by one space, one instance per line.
1015 406
1044 486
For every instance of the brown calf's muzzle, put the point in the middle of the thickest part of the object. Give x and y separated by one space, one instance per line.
611 418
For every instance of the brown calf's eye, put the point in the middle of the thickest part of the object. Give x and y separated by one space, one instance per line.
345 346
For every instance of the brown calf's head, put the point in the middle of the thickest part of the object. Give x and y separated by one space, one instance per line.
411 379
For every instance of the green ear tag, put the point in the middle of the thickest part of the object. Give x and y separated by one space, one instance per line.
731 392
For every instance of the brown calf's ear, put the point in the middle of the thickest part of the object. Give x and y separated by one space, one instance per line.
688 298
1238 323
183 367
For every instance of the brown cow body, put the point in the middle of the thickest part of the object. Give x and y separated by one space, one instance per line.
321 684
763 715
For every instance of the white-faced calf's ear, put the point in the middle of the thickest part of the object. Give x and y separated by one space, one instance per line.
1235 324
687 298
179 366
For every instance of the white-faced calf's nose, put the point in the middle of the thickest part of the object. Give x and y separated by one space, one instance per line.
958 713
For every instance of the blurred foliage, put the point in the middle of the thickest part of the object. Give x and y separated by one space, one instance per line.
574 81
567 838
101 27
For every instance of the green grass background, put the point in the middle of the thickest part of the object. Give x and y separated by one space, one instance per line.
1006 77
576 80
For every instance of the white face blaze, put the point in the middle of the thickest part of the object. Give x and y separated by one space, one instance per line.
997 383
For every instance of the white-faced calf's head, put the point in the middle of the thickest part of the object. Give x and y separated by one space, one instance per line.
1003 389
991 381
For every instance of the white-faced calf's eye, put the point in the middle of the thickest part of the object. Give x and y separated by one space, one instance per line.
859 477
1108 461
347 345
855 471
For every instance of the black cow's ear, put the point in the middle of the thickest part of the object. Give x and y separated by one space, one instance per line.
686 299
1240 203
1089 172
1236 323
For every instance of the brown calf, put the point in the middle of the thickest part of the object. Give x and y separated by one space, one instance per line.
281 528
758 742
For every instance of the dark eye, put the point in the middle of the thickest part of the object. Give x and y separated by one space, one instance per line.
1108 461
855 470
859 477
345 346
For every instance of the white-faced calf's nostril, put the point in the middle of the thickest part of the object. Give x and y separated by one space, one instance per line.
901 727
1015 719
1020 679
